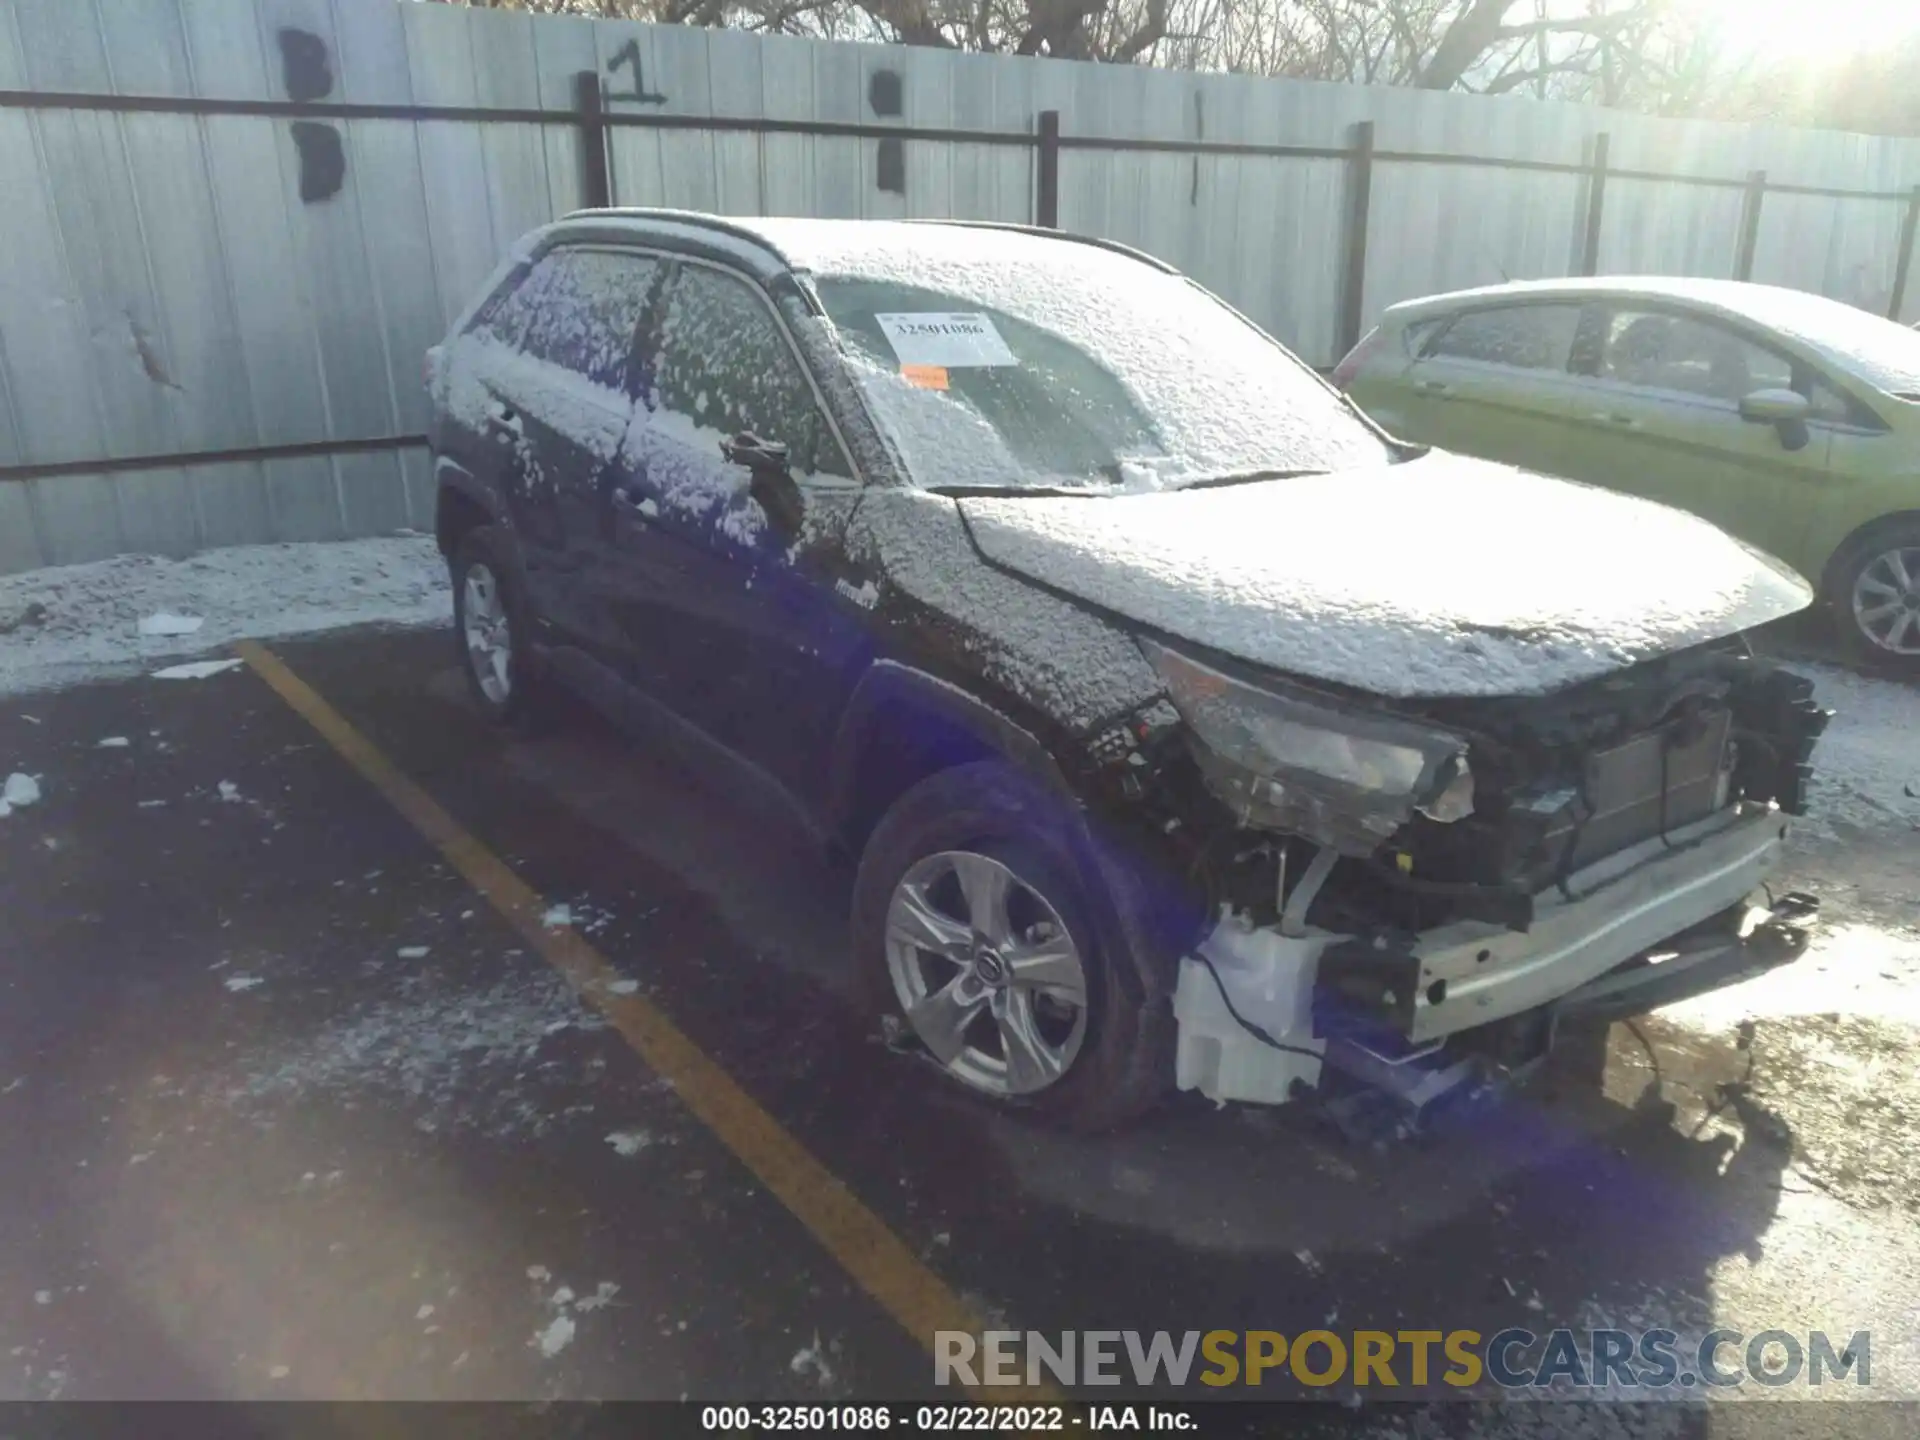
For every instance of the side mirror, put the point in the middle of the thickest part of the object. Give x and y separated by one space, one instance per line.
757 455
1786 410
773 484
1774 407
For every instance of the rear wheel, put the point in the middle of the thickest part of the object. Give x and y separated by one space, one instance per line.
975 935
492 627
1876 597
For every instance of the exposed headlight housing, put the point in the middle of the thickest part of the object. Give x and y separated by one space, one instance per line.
1292 761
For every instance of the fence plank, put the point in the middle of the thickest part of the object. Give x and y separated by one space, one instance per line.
19 531
562 48
146 47
507 76
734 87
842 168
460 221
56 411
370 41
159 512
624 54
682 73
85 162
330 246
78 519
786 161
928 101
232 503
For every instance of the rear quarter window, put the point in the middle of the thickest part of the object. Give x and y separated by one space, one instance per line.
1519 337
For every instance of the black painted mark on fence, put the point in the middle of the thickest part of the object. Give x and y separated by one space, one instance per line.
323 160
1199 133
306 67
885 93
887 96
890 167
629 55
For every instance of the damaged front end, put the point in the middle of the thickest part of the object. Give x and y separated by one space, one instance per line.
1408 898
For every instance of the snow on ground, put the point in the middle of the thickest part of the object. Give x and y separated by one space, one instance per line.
1867 766
115 617
463 1060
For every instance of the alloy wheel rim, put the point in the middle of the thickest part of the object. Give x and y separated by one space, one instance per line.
986 972
1886 600
484 626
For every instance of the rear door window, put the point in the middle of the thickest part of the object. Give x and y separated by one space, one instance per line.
587 310
1518 337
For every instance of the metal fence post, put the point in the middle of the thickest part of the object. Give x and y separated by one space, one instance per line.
1596 204
590 103
1353 283
1903 267
1750 225
1046 200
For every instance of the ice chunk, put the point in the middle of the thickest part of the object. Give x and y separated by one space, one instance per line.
196 669
162 623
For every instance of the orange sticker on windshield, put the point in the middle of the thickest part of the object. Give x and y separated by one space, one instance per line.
927 377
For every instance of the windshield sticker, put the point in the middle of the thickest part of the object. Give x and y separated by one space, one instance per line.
945 341
927 377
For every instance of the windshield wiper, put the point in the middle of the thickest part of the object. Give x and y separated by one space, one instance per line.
1249 477
1003 492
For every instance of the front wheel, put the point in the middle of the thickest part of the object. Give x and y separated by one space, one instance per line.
974 933
1876 598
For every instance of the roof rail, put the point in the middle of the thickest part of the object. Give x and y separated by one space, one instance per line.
684 217
745 232
1114 245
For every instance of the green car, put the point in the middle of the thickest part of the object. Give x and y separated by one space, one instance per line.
1790 420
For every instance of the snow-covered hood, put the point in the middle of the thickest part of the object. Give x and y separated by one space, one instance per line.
1438 576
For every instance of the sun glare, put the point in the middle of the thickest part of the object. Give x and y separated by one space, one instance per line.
1784 29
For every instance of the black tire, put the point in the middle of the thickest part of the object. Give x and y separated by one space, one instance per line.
1854 641
1124 1065
525 708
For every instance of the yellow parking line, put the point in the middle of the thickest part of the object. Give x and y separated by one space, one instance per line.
878 1260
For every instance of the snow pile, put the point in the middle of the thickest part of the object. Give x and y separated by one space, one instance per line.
466 1060
93 616
1866 767
1441 576
18 792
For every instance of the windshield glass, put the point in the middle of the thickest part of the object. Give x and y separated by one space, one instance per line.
1880 351
1008 361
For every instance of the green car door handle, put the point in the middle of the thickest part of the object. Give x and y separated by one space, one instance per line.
1626 422
1432 387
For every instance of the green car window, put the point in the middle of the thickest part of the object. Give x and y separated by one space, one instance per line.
1661 351
1526 337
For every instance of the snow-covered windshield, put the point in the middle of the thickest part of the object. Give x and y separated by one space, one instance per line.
1009 361
1879 351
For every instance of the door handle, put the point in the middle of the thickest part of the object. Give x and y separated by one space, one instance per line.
503 418
630 503
1432 387
1625 422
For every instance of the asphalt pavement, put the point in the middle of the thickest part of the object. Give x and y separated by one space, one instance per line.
291 1108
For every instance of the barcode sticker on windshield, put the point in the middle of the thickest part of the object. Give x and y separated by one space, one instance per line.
955 342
